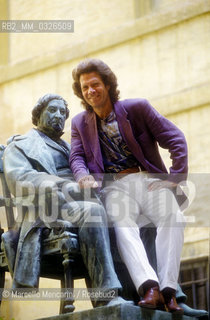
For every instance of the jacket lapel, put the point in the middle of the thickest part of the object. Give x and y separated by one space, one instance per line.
91 132
127 133
55 145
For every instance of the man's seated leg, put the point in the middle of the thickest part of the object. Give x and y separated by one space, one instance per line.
148 234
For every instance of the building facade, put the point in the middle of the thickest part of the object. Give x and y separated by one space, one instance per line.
159 50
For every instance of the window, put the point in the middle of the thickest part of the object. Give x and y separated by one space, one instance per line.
194 280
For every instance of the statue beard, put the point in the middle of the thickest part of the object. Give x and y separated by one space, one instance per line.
54 132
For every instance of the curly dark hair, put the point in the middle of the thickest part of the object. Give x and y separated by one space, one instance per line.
106 74
42 103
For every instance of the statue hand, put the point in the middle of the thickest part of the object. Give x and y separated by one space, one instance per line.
72 191
71 187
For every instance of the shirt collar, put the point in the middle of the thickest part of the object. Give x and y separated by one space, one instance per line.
111 117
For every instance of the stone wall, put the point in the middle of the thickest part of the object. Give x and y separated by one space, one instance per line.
159 49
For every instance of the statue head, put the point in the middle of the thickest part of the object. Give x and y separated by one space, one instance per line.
49 114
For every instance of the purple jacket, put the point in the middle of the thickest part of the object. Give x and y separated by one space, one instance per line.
142 128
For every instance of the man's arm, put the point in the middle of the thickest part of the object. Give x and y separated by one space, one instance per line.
77 161
168 137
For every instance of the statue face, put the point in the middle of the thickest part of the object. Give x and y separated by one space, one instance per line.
53 116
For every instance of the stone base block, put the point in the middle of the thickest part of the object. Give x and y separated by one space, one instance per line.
119 312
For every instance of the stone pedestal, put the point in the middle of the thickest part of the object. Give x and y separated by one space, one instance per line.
119 312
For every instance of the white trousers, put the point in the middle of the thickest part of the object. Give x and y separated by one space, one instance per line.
130 205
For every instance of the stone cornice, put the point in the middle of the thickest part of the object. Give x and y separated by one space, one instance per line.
181 101
130 30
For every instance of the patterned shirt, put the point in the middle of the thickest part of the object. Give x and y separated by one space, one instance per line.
115 152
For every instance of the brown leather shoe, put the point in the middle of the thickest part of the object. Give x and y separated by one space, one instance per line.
173 307
153 299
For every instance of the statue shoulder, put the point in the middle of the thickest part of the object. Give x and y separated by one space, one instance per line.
19 137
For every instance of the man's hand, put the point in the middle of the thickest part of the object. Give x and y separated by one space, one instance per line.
87 182
157 185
